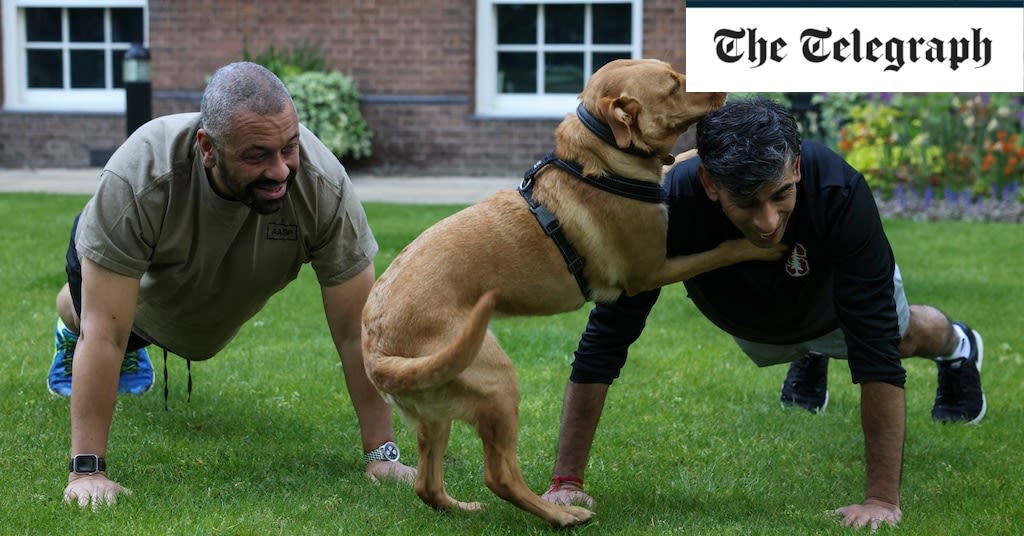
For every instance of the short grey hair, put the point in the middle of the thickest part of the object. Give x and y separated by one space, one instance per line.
239 87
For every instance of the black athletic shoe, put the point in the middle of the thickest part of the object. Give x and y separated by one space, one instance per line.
806 383
959 397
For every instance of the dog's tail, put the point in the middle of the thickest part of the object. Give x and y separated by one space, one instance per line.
399 374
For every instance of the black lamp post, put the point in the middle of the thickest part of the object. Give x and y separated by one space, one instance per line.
138 89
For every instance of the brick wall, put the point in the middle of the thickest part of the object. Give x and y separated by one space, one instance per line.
413 61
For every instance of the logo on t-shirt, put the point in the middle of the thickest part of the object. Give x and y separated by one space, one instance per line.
796 265
280 231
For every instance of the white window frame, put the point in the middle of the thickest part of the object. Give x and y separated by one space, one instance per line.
18 96
492 104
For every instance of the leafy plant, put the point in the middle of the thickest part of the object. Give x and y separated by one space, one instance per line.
328 104
301 57
327 101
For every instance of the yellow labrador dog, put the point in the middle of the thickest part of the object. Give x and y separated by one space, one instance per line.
588 223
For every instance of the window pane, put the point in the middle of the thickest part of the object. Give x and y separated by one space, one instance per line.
126 25
42 24
517 72
601 58
563 23
44 69
563 72
86 25
612 24
87 69
517 24
118 68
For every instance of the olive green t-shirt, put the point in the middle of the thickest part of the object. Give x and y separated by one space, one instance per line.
206 265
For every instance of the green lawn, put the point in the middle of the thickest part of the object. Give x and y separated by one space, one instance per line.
692 441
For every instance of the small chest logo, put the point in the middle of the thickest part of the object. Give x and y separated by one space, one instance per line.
278 231
796 264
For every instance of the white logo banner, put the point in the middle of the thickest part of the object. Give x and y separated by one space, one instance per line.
923 46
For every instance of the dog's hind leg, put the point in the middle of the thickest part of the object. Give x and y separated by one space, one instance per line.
498 426
432 439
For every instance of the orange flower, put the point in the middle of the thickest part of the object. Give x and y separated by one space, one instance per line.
1011 165
1001 135
845 145
986 163
1010 144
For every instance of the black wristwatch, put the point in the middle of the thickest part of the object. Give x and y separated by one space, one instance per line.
87 464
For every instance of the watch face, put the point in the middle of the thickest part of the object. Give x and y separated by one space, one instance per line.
390 451
86 463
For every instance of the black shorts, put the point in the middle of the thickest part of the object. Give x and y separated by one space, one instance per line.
74 270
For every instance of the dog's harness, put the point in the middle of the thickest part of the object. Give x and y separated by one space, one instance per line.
622 186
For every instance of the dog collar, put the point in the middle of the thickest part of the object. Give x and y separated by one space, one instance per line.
602 131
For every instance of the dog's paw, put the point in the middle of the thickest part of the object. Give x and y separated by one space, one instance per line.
459 506
471 506
570 516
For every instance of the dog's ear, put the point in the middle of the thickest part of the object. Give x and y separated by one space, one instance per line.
620 114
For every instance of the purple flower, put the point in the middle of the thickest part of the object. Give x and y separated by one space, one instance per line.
900 195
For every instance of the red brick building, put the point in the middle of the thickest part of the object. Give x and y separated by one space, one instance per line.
449 87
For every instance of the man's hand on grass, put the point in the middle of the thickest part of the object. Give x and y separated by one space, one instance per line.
378 471
872 514
568 494
93 490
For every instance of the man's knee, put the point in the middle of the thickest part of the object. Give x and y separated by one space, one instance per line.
66 309
928 332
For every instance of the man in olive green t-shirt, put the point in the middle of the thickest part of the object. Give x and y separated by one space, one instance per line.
198 220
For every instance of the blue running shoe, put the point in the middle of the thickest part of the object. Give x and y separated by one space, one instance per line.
136 373
136 370
59 379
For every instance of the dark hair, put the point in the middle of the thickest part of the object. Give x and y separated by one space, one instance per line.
239 87
747 143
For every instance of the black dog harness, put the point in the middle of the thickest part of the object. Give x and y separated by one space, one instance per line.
631 188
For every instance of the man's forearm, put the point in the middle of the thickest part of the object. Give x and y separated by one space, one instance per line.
581 411
93 396
343 305
883 417
372 412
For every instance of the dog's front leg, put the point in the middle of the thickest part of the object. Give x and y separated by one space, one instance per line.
683 267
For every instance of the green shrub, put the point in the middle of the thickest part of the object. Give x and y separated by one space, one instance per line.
301 57
327 101
328 104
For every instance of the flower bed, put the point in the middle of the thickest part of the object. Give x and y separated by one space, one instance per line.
927 155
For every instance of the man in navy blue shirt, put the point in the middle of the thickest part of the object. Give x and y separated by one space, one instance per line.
836 293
